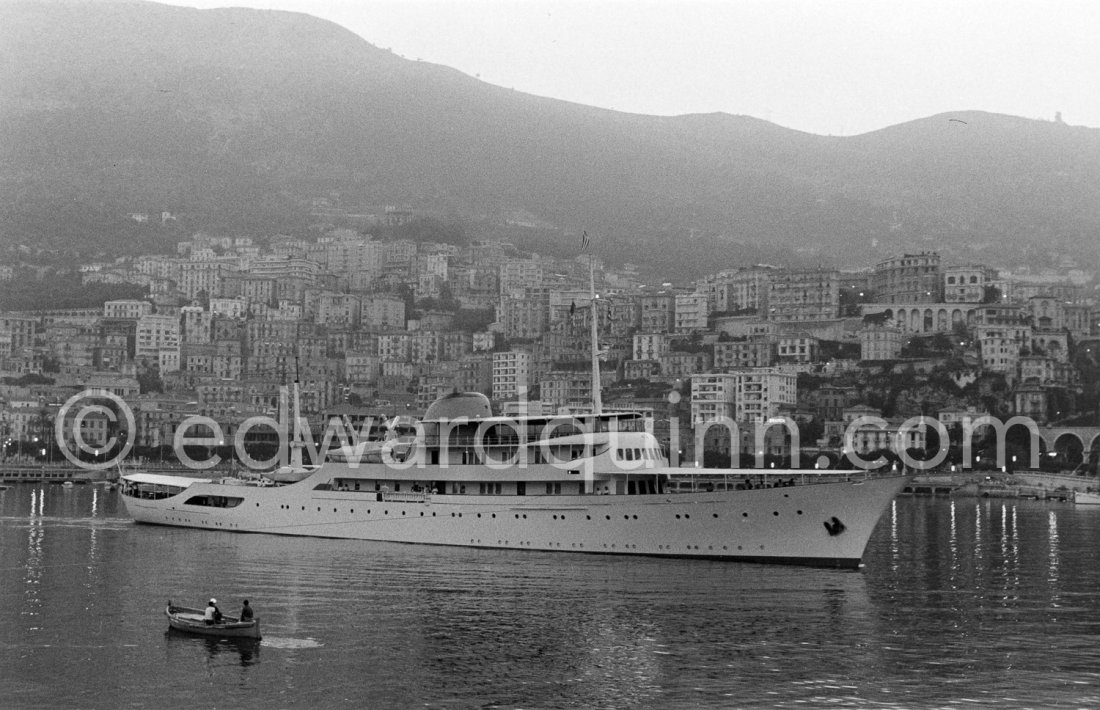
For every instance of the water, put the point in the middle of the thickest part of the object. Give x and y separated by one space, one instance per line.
970 603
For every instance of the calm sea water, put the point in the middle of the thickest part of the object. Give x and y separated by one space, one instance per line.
973 603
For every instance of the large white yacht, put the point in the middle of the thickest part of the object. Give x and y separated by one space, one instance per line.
596 483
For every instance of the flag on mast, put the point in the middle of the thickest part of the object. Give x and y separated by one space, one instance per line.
585 241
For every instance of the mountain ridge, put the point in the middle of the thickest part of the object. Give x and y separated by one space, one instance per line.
244 116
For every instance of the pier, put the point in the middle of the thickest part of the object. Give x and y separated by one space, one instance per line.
1021 484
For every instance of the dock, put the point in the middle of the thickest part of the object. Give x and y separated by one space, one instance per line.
53 474
1022 484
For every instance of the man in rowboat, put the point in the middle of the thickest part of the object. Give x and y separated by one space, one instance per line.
213 614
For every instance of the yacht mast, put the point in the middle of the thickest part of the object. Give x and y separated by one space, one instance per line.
296 441
597 402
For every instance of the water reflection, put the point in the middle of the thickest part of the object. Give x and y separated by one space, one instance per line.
36 535
894 536
219 651
977 526
990 600
1052 555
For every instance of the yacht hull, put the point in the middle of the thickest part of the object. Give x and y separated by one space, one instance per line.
820 524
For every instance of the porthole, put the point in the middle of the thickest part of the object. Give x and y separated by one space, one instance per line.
715 514
800 512
744 515
775 513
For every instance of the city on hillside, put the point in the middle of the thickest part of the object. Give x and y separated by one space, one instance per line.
371 329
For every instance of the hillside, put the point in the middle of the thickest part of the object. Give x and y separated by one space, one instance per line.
239 118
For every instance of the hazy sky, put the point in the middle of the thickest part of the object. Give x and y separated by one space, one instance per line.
825 66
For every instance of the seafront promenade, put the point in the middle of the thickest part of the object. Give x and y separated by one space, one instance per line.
58 473
1018 484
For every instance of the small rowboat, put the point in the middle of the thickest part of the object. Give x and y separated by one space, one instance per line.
191 621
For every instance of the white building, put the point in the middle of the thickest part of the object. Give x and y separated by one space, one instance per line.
1000 346
691 312
649 346
566 389
745 395
965 284
880 342
235 308
511 373
168 359
868 438
156 333
797 347
126 309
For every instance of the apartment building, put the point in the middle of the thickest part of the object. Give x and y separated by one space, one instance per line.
690 313
880 342
127 309
747 395
910 278
804 295
511 374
